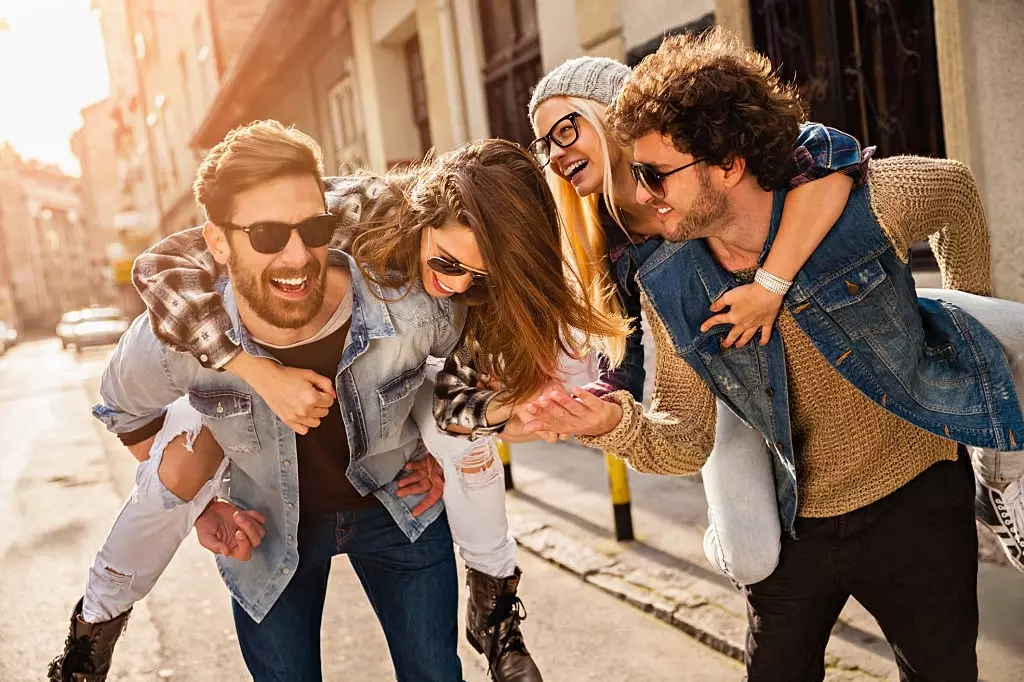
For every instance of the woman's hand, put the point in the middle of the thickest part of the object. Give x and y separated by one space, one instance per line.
752 308
300 397
577 413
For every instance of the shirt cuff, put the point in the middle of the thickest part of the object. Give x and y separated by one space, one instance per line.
210 344
138 435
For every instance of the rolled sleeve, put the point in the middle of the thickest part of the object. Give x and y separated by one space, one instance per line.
821 151
138 382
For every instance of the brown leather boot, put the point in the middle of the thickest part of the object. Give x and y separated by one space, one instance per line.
88 649
493 615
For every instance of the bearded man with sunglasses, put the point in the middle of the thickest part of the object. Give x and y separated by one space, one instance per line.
866 396
368 489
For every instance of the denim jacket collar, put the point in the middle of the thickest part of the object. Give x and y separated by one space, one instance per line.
370 317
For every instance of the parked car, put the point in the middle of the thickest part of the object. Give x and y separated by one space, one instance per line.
91 327
66 327
8 337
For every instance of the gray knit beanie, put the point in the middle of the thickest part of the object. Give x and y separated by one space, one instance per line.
596 78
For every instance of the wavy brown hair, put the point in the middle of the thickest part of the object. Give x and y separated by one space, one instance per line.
717 100
538 307
251 155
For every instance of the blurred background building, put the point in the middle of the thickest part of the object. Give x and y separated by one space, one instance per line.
379 82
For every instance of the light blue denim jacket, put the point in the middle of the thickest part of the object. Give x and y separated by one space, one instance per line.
382 366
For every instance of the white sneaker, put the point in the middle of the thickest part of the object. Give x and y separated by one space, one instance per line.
1002 511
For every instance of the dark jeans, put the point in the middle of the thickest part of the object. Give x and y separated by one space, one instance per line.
412 587
911 559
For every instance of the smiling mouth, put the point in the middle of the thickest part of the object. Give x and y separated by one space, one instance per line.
663 211
442 287
574 169
290 285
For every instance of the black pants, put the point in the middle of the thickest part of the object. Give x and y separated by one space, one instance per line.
911 559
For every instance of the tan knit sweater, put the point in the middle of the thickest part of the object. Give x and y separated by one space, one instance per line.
849 451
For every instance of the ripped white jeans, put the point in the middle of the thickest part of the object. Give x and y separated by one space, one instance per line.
154 522
149 528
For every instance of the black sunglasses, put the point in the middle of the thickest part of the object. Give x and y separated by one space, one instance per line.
653 181
271 237
563 133
479 289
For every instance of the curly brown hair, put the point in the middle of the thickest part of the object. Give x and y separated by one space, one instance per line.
717 100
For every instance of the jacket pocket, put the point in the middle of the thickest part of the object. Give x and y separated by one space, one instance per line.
396 399
863 302
228 415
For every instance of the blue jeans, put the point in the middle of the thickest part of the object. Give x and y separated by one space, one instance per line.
412 587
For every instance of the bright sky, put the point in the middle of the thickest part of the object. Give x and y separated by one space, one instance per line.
52 65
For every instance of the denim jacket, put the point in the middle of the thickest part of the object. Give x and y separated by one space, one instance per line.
819 151
382 366
925 361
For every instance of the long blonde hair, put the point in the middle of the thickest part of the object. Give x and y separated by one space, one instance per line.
586 246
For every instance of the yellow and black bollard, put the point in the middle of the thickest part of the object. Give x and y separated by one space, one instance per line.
505 454
618 485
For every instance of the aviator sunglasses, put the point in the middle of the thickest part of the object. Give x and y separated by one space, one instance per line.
479 287
270 237
652 180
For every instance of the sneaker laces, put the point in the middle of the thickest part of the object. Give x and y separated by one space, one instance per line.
1013 507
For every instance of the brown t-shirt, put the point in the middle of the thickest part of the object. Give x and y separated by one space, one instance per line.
323 452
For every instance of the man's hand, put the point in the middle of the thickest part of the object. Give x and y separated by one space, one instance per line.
581 413
425 476
229 531
752 308
300 397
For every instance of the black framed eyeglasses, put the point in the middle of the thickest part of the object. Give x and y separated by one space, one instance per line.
271 237
563 133
652 180
479 286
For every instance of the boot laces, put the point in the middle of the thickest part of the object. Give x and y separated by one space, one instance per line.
77 657
509 611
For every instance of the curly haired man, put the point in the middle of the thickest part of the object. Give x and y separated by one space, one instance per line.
864 397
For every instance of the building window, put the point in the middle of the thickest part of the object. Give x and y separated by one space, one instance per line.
512 65
418 91
864 66
347 122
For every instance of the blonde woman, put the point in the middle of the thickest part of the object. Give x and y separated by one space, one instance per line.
607 230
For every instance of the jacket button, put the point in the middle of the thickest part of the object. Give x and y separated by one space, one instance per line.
770 392
852 288
204 358
286 570
220 408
